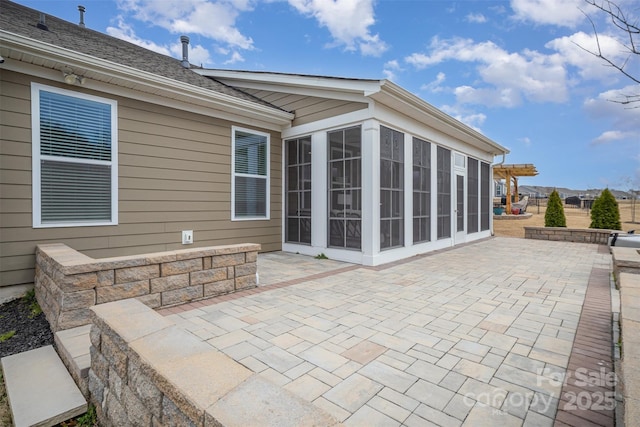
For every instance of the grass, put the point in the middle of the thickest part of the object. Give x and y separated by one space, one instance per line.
576 218
30 299
4 337
321 256
88 419
5 413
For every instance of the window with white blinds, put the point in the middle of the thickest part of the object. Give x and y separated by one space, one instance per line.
74 158
250 177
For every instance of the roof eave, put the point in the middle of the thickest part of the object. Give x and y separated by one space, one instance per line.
359 86
390 94
149 82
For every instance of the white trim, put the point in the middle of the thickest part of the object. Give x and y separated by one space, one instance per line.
36 88
408 189
370 167
133 79
251 79
267 216
319 190
383 92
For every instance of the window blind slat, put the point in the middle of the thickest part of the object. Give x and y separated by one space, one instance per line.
78 128
250 174
74 127
75 192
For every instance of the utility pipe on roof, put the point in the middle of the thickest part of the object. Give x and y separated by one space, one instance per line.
81 9
185 51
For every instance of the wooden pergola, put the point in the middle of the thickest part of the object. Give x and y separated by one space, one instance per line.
513 172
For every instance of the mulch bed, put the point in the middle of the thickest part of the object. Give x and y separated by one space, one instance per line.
30 331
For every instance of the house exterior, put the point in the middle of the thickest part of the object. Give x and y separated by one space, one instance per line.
372 173
115 150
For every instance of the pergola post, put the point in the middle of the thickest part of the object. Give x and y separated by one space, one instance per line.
508 182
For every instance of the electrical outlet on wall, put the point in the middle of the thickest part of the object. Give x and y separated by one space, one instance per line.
187 237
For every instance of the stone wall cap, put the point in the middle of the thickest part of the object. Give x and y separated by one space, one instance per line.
70 261
629 280
130 319
626 257
259 401
194 375
586 230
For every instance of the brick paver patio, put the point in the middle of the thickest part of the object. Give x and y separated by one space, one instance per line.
477 335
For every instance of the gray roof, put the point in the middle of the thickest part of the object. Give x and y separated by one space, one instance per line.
23 21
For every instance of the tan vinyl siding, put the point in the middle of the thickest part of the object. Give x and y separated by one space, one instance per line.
307 108
174 174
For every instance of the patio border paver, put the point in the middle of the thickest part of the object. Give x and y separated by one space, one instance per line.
588 389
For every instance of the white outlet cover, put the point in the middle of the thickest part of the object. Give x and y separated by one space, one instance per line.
187 237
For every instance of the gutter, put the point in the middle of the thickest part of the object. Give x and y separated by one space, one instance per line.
153 83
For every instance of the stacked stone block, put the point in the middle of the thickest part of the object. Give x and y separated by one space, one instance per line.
67 282
577 235
145 371
626 266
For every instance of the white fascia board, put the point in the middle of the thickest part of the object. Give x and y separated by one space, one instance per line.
293 90
108 89
152 83
395 96
305 85
334 122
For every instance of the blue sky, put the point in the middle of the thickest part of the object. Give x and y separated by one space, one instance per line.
514 70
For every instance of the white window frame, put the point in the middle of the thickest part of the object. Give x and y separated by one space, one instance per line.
267 216
36 88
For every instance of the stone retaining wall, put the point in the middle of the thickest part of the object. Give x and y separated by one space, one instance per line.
67 282
625 260
626 267
578 235
145 371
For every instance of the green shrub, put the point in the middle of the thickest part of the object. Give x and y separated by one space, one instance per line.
605 214
554 216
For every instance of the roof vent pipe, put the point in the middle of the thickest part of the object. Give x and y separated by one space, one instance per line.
185 51
41 22
82 10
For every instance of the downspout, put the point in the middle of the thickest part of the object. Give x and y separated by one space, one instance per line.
504 156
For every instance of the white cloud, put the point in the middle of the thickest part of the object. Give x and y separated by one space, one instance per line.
235 58
509 77
390 69
214 20
564 13
125 32
573 50
435 85
607 106
348 21
476 18
611 136
471 119
198 55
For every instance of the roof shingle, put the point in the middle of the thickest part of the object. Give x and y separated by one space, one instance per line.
23 21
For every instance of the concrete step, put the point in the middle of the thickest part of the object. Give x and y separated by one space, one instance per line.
73 348
40 390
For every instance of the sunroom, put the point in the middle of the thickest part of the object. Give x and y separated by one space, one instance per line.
370 172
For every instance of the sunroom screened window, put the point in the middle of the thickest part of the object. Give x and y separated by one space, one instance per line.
75 165
250 174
